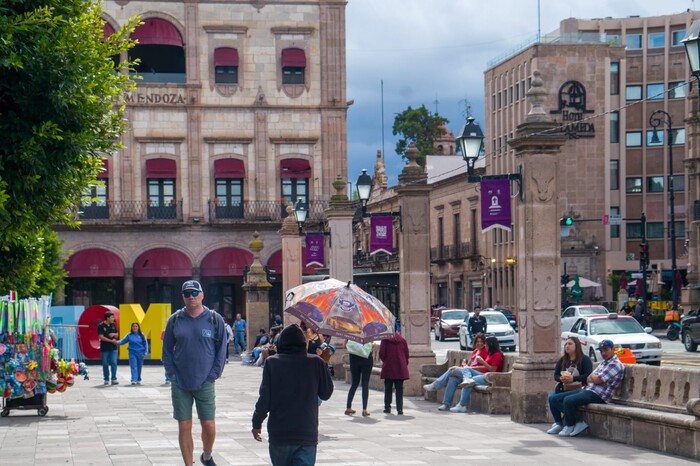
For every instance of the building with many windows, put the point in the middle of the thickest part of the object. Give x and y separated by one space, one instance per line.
240 109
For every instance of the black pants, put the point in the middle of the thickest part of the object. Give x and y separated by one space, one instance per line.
388 385
360 369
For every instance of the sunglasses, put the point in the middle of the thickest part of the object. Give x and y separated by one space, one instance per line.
187 294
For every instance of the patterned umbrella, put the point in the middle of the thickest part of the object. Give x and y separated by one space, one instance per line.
332 307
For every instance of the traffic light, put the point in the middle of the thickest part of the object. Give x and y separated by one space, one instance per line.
644 254
566 221
564 279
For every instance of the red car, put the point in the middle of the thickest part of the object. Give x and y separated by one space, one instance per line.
447 323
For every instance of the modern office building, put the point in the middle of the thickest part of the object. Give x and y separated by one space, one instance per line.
241 108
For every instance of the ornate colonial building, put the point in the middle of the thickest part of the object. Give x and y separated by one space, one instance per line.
240 109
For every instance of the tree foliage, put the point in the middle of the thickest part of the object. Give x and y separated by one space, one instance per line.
418 126
61 110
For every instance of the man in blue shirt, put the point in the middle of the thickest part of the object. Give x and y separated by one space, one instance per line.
194 354
239 328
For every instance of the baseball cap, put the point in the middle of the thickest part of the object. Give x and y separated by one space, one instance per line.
191 285
606 344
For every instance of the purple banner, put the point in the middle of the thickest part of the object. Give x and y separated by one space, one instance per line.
315 250
495 204
382 234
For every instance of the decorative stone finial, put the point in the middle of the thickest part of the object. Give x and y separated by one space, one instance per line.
256 245
340 187
537 95
412 155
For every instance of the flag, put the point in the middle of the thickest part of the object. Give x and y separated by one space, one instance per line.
495 204
315 249
382 234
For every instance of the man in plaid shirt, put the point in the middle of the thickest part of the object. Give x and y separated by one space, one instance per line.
601 384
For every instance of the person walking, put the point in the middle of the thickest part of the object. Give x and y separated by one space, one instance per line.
394 355
361 363
108 334
476 324
138 347
292 383
239 328
193 355
229 338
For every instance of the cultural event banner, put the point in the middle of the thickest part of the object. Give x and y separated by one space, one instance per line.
495 204
381 235
315 249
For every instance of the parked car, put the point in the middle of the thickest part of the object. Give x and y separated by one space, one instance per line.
509 315
690 330
624 331
496 325
447 323
572 313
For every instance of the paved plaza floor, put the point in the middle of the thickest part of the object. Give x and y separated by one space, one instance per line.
92 424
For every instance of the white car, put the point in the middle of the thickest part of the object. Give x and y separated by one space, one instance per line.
496 325
572 313
624 331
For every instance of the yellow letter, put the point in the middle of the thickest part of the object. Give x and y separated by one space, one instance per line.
152 324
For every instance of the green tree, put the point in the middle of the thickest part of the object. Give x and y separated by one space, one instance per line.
418 126
61 110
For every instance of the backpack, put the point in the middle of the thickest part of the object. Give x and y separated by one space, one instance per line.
212 319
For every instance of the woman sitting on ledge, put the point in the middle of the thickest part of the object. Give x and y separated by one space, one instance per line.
486 357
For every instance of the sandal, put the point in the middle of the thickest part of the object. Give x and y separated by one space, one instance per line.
365 413
349 412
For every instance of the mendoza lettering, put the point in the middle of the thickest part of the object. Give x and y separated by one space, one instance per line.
156 98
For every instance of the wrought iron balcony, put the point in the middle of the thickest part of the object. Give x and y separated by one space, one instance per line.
260 211
379 262
116 212
451 252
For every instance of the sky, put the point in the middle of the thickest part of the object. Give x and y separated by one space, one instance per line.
437 50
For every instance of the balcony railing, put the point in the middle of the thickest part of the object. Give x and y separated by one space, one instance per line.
131 212
451 252
379 262
260 211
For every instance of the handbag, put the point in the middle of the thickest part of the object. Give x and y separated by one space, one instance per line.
359 349
572 386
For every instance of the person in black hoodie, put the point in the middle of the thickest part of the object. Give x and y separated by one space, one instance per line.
292 383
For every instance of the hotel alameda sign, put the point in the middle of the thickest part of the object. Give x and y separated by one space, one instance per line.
571 106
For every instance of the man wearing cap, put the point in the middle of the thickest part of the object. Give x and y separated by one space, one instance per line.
194 354
107 334
601 384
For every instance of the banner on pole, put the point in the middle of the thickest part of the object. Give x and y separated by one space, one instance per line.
315 249
381 234
495 204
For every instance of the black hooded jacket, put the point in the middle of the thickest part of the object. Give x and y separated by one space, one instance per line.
292 382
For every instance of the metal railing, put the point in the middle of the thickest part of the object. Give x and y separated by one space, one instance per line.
451 252
260 211
116 212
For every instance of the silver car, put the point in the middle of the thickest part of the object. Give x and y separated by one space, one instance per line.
496 325
572 314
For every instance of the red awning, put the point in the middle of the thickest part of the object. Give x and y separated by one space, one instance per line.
294 58
157 31
94 263
275 263
107 30
295 168
161 168
229 168
226 56
226 262
105 169
163 262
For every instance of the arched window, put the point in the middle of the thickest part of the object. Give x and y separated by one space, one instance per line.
160 51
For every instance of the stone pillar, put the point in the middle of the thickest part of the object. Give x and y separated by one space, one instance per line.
539 252
257 294
291 258
414 265
691 295
339 216
128 285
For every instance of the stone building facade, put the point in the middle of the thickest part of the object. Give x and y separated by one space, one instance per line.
241 109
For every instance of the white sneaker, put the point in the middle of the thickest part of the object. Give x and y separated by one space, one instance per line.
429 387
458 409
566 431
467 383
578 428
106 382
555 429
443 407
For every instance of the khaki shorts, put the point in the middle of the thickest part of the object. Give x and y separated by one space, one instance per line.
204 398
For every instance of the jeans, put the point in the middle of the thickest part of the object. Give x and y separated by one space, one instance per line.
467 391
360 370
451 378
388 385
556 404
292 455
109 361
135 364
580 398
239 340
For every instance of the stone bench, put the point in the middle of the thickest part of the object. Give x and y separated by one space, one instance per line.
654 407
493 398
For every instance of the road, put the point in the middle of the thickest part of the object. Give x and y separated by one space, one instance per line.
673 351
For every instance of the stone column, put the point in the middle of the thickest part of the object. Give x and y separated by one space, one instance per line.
691 295
339 216
257 294
291 258
537 224
128 285
414 265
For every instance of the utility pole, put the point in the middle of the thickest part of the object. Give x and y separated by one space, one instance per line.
644 257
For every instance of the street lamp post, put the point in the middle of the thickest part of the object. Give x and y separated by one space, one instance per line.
655 120
300 213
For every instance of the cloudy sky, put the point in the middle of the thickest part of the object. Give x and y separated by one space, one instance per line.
428 50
